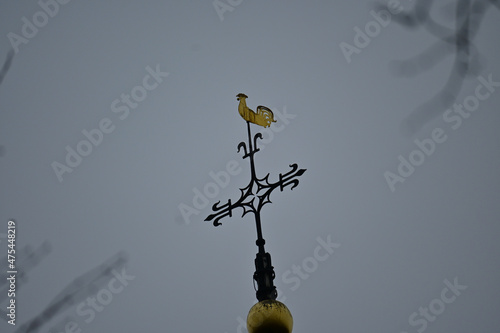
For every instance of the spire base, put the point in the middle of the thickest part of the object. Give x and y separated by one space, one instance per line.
269 316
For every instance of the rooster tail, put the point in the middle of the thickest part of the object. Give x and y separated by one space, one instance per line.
265 116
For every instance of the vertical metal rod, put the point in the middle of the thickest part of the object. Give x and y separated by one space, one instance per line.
252 152
260 240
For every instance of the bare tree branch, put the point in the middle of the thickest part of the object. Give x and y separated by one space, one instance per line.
468 17
6 65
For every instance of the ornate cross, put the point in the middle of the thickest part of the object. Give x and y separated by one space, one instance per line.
255 195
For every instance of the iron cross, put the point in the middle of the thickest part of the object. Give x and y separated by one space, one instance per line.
255 195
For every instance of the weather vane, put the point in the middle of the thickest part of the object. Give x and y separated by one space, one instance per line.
255 195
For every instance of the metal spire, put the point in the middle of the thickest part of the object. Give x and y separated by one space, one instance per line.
255 195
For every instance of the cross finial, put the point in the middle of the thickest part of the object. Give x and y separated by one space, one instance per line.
255 195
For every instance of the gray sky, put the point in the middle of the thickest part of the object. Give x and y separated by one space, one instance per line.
415 248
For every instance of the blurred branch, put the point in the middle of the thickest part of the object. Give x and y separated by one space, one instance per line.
75 292
6 65
468 17
27 260
3 73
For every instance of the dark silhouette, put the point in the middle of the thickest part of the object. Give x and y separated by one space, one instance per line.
255 195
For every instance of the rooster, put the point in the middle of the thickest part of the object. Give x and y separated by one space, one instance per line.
263 117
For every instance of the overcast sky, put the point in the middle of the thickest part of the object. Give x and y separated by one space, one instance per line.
119 129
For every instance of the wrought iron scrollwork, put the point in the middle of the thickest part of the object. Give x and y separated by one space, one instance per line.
253 197
256 188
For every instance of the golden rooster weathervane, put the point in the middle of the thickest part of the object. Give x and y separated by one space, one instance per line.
263 117
269 315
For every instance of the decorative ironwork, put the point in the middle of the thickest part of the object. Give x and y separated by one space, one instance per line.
255 195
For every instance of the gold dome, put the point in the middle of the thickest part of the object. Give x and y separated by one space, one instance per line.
269 316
